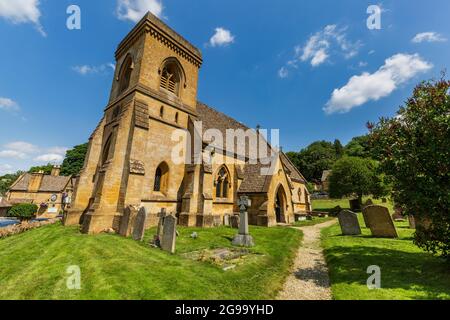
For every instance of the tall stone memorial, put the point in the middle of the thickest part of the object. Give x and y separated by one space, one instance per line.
380 222
243 238
169 234
349 223
127 221
139 225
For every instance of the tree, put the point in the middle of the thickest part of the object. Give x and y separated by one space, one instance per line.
74 160
7 180
339 149
46 168
414 152
314 159
358 147
353 176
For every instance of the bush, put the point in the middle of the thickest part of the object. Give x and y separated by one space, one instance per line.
23 211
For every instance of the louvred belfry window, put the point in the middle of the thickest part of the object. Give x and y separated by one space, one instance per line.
170 79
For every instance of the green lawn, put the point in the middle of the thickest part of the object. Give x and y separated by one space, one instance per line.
407 272
326 205
33 265
316 220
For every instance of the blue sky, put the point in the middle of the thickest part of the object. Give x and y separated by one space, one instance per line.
309 68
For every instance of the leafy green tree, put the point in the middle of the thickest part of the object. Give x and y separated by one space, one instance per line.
314 159
74 160
339 149
353 176
7 180
414 152
358 147
46 168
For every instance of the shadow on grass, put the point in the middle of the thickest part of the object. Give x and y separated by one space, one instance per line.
423 275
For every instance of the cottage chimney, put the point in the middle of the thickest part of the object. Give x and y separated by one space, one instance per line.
56 170
35 181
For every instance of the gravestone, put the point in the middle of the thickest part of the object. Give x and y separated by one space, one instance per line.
412 222
139 225
369 202
349 223
226 220
234 221
355 205
127 221
169 234
243 238
380 222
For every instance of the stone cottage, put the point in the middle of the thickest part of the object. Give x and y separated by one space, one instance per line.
152 120
51 193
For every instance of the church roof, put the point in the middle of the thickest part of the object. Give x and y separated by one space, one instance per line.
49 183
253 181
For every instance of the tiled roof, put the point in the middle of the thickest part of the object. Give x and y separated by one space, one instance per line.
4 203
253 181
49 183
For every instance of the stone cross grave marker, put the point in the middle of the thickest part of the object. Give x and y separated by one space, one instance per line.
349 223
139 225
380 222
169 234
243 238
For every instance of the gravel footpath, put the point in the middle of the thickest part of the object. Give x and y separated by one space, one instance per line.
309 276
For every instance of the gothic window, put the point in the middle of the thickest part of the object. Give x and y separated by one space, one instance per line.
161 178
107 154
171 78
125 74
222 183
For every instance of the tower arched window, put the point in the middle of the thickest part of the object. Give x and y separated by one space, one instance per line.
171 77
107 152
161 178
222 183
125 74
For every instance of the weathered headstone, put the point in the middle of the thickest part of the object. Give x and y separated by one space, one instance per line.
349 223
127 221
169 234
226 220
162 215
139 225
243 238
234 221
369 202
380 222
355 205
412 222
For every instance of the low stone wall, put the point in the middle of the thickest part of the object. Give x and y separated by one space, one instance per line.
25 226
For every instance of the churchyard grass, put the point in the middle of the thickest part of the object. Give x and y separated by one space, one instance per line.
407 272
34 265
316 220
326 205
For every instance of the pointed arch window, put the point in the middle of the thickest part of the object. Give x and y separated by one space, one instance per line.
125 74
222 183
107 150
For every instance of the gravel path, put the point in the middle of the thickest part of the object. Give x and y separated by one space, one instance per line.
309 278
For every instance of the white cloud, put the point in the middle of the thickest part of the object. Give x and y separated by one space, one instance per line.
8 104
86 69
12 154
222 37
283 72
318 48
49 158
22 146
396 70
22 11
5 169
428 37
58 150
134 10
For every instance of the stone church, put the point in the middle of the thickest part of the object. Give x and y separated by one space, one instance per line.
130 160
